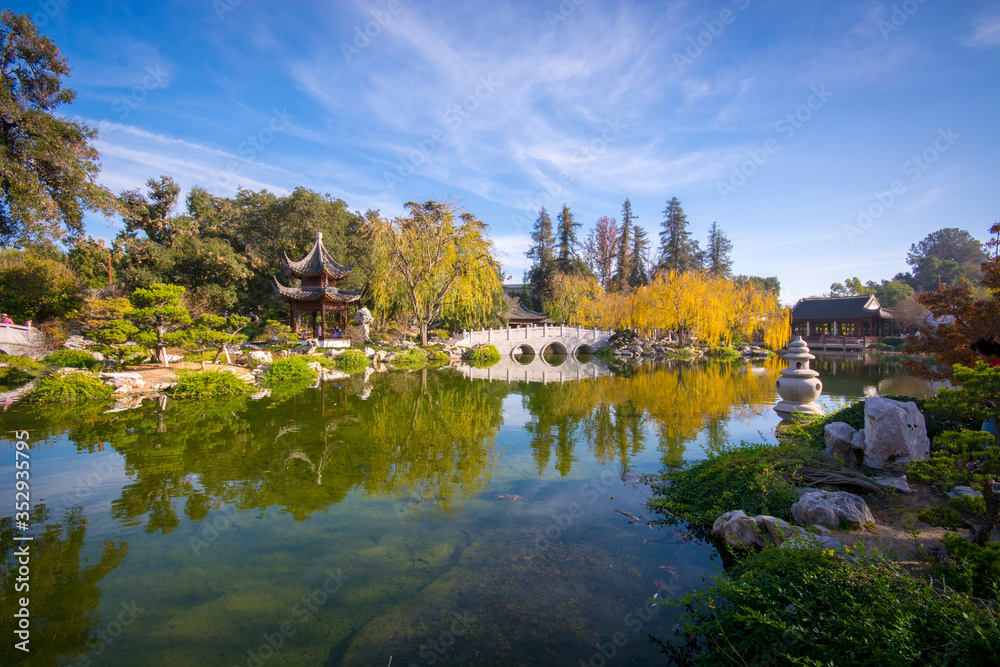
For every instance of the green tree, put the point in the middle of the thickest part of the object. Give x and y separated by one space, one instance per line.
601 248
718 260
88 258
435 260
948 256
623 264
639 258
159 315
48 166
566 233
770 284
678 251
36 287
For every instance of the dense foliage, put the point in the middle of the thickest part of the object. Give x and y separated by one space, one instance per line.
814 607
209 383
71 387
72 359
292 369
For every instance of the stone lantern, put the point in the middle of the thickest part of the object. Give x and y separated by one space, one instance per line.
799 385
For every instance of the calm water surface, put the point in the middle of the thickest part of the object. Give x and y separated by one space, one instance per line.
444 516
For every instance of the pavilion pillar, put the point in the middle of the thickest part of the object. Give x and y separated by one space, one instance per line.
294 318
322 310
315 334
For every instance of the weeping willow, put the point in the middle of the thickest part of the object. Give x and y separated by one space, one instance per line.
436 263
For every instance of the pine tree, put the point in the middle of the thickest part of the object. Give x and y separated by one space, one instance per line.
678 251
543 252
717 256
640 258
623 268
567 237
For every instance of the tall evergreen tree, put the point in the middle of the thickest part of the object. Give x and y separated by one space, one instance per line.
678 251
623 267
567 237
543 252
640 258
717 256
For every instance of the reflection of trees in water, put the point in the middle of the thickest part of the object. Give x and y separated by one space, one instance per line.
426 436
62 591
610 413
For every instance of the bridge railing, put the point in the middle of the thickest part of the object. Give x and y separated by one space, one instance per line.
486 336
15 334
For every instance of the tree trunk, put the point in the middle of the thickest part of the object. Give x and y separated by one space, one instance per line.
423 333
981 535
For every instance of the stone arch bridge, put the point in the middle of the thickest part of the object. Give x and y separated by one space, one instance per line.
537 340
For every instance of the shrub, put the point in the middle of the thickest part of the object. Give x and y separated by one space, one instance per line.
72 387
605 352
209 383
723 353
960 458
411 358
623 338
437 358
881 347
895 341
812 607
23 363
292 369
483 355
72 359
945 517
969 568
351 359
381 338
748 478
443 334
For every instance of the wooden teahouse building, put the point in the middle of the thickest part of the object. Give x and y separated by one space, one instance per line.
319 293
520 316
858 320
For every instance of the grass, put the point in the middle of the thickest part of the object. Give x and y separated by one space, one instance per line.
72 387
209 383
292 369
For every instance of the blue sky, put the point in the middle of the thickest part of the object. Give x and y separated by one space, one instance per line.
823 137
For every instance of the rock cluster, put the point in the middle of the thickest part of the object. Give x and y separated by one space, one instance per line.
894 434
740 531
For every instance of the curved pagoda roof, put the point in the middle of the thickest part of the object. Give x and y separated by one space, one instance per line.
317 262
521 314
317 293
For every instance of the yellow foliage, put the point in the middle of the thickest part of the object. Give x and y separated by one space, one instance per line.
573 298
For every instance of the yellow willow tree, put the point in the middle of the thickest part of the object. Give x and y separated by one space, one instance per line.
572 298
711 308
437 262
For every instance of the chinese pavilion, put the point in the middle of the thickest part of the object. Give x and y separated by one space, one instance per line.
318 294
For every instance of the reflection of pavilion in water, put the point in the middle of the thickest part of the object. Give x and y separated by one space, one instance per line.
537 368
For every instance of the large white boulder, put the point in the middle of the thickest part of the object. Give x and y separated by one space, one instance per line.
895 434
831 509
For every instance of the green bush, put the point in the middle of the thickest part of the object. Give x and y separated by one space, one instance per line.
209 383
881 347
72 359
411 358
895 341
945 517
970 569
969 505
292 369
723 353
605 352
960 458
812 607
443 334
351 359
623 338
22 363
437 358
72 387
483 355
12 378
748 477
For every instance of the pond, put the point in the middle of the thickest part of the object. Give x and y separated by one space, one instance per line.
464 517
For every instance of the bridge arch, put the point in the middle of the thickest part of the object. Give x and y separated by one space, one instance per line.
523 353
555 347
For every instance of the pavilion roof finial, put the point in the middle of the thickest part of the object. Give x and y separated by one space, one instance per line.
319 237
